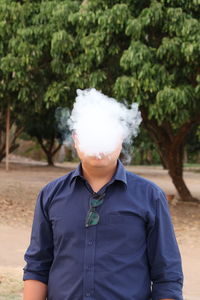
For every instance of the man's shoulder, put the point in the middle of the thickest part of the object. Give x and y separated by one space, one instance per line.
135 179
149 193
57 183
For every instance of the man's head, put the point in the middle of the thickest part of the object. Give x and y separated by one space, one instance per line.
102 160
100 125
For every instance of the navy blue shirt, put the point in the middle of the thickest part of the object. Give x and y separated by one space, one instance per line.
132 254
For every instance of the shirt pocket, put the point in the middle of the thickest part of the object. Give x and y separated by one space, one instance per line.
120 233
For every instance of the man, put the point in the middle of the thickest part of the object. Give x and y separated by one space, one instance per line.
103 233
100 232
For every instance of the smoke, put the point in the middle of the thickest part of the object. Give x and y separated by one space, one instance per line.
101 123
62 116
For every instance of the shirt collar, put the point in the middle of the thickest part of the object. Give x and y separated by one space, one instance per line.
120 173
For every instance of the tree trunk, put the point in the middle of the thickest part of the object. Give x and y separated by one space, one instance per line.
49 149
175 165
170 147
7 137
12 148
163 163
182 188
12 144
49 159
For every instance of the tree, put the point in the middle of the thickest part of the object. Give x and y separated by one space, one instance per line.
144 150
9 21
42 125
29 65
146 51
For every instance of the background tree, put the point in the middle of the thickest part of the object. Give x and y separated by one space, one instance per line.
144 51
42 126
36 75
147 51
144 150
10 13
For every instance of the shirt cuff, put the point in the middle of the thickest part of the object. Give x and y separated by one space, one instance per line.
167 290
33 276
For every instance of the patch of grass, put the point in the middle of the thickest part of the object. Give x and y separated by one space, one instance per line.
190 165
11 297
11 286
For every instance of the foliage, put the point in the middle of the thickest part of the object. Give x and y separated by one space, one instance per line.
144 150
43 30
42 125
146 51
31 33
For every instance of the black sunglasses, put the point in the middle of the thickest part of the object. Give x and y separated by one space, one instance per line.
92 215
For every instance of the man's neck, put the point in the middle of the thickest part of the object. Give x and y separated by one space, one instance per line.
98 176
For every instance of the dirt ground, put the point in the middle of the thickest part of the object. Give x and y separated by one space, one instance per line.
18 191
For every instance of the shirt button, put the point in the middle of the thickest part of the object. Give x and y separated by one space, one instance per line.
88 294
90 242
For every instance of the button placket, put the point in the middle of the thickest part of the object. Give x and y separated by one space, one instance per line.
89 256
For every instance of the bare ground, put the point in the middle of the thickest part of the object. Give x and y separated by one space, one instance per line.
18 191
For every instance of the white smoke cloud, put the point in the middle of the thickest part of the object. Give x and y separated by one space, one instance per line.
101 123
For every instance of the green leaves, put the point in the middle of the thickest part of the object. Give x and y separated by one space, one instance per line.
143 50
61 42
173 103
114 19
135 55
127 87
152 15
56 93
170 51
134 29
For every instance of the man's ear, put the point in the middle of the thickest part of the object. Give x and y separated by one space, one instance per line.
75 139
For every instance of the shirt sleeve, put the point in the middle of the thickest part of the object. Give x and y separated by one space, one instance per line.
39 254
163 254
